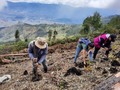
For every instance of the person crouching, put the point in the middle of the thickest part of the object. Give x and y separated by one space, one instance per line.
37 50
104 41
84 44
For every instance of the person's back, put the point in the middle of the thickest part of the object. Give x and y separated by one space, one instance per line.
82 45
103 40
37 52
84 40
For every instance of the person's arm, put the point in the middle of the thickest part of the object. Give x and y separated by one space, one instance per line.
78 41
84 55
30 51
101 43
44 55
90 54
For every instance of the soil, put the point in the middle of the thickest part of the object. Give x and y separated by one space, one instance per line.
62 73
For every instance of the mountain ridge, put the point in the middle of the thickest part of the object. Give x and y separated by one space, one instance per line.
38 13
32 31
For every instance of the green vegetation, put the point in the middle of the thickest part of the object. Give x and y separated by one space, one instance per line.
32 31
62 34
17 35
55 34
12 47
49 34
64 40
92 23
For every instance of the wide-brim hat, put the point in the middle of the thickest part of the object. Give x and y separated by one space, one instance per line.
41 43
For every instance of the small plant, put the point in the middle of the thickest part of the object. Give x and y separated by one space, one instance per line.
63 84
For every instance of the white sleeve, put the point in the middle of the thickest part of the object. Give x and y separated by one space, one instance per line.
107 35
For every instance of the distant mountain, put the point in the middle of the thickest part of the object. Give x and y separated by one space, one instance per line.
32 31
105 20
37 13
2 28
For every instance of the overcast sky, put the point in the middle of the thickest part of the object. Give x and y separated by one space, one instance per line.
75 3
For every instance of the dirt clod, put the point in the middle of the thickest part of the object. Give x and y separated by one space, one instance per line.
117 54
34 79
113 70
25 72
73 70
115 63
80 65
104 71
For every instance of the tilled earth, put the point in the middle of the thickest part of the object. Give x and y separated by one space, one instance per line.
62 74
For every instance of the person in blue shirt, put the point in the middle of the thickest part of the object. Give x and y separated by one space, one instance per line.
84 44
37 50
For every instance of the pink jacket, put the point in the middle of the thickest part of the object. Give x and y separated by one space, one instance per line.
97 40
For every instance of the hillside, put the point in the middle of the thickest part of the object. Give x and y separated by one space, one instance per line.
32 31
105 20
62 74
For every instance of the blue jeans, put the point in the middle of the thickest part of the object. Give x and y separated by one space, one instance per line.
90 56
78 50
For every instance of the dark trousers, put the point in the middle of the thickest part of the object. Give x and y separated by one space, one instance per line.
95 52
44 66
97 49
108 51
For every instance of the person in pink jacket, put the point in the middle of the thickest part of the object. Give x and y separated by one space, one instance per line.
103 40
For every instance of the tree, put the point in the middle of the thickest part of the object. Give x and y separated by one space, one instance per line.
86 28
96 21
54 34
92 22
86 24
88 20
17 36
26 40
49 34
115 22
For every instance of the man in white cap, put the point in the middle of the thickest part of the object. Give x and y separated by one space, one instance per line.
37 50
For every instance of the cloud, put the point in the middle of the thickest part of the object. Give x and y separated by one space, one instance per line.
74 3
101 3
3 4
116 4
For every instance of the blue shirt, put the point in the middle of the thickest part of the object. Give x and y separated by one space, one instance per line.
41 53
84 40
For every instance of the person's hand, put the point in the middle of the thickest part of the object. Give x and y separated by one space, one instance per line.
34 60
117 75
106 48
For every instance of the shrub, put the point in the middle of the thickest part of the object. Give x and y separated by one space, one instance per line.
20 45
16 46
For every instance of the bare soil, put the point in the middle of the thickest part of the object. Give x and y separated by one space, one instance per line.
62 73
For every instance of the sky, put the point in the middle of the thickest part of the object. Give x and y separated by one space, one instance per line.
82 8
74 3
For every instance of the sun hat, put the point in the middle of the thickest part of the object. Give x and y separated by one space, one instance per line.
40 42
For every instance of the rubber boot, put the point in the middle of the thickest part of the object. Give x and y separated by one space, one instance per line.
35 75
45 70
